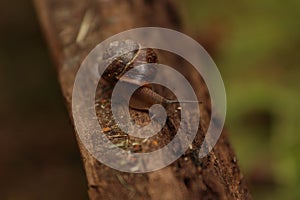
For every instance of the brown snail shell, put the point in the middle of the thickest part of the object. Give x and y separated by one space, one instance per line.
125 55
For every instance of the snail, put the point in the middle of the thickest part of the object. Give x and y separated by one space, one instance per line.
125 55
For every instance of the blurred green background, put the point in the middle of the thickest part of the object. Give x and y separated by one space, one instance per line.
256 45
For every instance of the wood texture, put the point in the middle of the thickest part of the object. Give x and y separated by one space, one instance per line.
217 176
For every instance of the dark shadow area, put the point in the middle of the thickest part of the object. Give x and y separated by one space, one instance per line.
39 155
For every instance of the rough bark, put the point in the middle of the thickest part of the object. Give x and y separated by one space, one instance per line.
217 176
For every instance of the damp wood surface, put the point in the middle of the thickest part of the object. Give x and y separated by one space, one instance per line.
72 29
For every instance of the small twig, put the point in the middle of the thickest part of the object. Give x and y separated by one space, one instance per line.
84 27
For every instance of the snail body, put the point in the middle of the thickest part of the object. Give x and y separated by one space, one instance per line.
122 56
